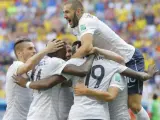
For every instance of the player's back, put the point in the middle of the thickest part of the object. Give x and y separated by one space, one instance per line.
118 108
45 102
103 36
88 107
18 98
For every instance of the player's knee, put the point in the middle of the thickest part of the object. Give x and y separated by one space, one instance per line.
135 107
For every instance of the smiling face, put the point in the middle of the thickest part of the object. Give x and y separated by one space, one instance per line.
70 15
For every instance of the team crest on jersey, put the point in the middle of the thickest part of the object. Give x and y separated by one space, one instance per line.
82 27
117 77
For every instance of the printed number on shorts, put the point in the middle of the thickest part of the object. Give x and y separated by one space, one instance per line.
99 78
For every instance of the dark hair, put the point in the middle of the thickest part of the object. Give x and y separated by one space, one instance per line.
56 54
155 96
20 40
75 4
74 46
77 43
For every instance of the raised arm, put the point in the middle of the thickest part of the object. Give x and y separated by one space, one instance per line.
109 55
40 84
86 47
34 60
79 70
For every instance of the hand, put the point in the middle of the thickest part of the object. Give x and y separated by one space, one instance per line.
54 46
21 81
152 70
80 89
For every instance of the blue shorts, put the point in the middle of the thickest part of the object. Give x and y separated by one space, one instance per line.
137 64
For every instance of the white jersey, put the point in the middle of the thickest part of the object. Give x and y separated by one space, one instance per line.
45 102
118 108
88 107
18 98
103 36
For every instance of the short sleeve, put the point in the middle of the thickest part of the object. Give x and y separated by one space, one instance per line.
117 81
17 64
87 25
121 68
55 65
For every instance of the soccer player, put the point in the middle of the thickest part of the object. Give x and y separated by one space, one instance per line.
93 32
18 98
116 96
103 85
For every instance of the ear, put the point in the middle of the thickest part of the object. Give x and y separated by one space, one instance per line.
78 12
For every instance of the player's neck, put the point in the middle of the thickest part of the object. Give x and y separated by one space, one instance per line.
21 59
79 17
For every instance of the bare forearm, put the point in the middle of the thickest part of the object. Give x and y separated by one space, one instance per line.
99 95
47 83
137 75
110 55
81 70
81 52
31 63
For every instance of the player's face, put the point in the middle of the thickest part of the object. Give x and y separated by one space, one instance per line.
28 50
70 15
68 52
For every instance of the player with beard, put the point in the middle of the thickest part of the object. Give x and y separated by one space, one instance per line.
93 32
17 103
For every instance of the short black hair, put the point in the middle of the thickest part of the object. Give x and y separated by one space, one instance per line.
77 43
75 4
155 96
54 54
74 46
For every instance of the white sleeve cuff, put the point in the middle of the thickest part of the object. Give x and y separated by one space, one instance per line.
118 86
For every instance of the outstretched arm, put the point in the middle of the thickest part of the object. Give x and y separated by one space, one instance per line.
141 75
34 60
79 70
109 55
40 84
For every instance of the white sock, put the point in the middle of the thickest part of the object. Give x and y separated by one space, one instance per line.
142 115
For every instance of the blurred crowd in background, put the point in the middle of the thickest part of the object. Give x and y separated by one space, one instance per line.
136 21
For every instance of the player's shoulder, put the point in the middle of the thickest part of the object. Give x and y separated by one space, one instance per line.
16 64
13 68
75 61
86 17
54 61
